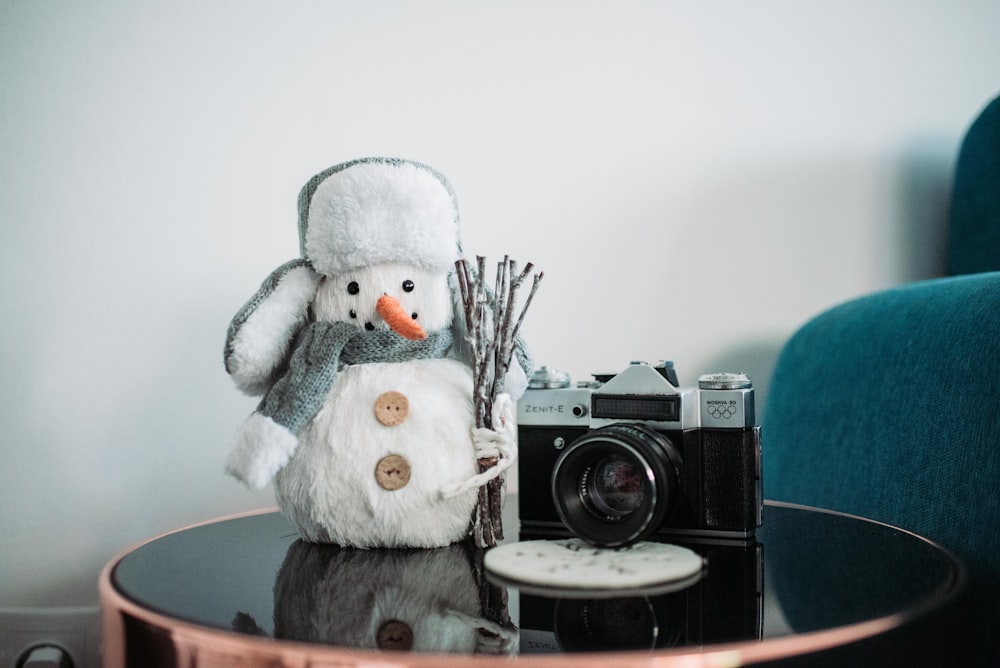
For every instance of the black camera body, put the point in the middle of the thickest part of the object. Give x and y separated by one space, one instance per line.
634 455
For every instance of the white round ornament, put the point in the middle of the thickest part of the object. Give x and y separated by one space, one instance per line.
572 568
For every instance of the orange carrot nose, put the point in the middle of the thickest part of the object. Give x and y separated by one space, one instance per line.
398 319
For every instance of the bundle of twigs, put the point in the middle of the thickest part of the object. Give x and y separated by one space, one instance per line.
492 332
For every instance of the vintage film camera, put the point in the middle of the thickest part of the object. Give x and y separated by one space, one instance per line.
634 455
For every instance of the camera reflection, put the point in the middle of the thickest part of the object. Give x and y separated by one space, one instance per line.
726 605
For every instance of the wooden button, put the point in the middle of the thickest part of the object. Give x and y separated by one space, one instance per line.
391 408
395 635
392 472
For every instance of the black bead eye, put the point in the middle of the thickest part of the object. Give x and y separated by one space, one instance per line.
353 288
407 285
413 315
370 327
354 314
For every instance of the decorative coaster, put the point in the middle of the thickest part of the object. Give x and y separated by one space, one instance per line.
572 568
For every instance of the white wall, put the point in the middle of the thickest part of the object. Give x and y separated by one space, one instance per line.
696 179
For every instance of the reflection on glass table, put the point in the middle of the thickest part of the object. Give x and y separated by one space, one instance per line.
813 585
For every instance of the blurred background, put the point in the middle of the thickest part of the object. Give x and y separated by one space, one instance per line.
695 179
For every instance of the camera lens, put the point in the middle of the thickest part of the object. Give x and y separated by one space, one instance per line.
614 485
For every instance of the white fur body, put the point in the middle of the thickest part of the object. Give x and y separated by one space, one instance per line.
328 488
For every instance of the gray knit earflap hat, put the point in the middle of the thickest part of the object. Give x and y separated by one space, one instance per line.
376 210
359 213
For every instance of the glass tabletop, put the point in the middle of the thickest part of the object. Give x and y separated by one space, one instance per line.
806 571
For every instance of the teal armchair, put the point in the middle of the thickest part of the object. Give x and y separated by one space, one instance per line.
888 406
974 226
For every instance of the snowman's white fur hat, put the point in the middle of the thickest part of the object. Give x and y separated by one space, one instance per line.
377 210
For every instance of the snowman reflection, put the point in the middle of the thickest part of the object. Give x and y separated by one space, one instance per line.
366 422
393 600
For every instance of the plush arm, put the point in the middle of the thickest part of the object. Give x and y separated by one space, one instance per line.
269 437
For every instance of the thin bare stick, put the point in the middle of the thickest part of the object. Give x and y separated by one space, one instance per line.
492 332
527 302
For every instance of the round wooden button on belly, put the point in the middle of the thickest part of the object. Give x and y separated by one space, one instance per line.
395 635
391 408
392 472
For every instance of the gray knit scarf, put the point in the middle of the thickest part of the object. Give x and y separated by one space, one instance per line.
321 350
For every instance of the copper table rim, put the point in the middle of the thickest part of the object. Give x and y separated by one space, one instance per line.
198 646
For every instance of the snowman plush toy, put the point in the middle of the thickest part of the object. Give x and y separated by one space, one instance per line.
366 423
